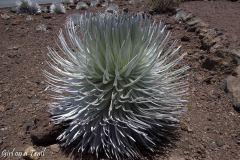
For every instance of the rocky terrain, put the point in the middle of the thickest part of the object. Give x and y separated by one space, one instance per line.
207 31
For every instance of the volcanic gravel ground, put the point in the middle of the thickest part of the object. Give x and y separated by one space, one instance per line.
223 15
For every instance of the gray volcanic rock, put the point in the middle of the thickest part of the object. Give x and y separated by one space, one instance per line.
233 87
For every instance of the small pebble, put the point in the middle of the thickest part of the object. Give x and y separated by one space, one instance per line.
29 153
55 148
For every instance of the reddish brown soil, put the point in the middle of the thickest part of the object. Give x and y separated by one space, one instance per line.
209 129
223 15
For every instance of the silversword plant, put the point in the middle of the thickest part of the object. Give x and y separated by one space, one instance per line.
57 8
118 85
27 6
68 1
